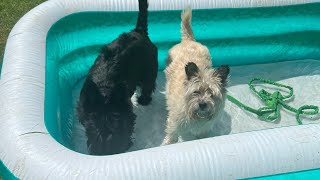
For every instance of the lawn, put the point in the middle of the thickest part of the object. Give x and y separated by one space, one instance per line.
10 12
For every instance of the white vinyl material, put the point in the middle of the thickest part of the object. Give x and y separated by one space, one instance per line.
29 152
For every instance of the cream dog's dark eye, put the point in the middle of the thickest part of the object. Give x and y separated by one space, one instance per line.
196 92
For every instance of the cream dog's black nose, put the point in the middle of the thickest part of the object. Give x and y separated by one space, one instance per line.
202 106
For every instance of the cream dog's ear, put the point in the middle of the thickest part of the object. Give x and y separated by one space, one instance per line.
223 72
191 70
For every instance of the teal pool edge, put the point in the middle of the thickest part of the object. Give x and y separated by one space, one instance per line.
282 175
312 174
263 49
5 173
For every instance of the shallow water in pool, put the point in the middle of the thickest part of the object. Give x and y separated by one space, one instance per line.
233 36
303 76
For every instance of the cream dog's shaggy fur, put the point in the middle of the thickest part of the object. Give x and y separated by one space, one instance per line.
195 91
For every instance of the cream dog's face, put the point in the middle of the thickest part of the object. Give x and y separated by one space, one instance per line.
204 91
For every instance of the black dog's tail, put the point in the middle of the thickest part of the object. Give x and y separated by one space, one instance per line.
142 22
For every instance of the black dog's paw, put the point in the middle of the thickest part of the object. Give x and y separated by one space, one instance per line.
144 100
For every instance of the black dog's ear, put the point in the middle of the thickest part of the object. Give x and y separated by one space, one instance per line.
223 72
107 52
191 70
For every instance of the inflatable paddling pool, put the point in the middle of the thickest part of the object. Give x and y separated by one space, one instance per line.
48 54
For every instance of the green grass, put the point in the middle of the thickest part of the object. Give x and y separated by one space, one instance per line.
10 12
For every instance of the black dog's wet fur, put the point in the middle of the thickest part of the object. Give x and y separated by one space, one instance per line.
105 107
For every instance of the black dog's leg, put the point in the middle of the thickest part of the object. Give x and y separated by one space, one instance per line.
149 82
95 142
95 146
98 145
147 88
131 88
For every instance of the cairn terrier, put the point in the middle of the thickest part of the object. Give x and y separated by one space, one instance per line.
195 91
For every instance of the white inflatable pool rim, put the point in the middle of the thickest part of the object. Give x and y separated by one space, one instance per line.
29 152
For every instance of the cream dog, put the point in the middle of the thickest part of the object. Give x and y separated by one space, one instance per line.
195 91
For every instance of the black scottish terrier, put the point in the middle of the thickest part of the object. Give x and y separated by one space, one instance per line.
105 107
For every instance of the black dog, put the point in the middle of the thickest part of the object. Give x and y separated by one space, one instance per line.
105 107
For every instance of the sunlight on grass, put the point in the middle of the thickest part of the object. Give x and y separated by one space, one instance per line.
10 12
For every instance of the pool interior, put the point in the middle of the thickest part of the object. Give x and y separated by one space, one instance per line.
238 37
